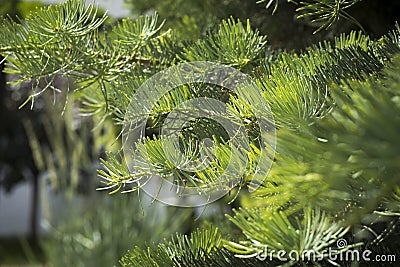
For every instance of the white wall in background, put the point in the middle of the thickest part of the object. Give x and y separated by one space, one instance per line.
15 210
115 8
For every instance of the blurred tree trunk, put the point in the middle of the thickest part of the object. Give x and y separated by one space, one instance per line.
34 208
2 87
11 128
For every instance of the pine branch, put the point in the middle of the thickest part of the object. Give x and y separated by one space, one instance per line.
179 251
327 12
359 141
273 231
233 44
66 40
202 248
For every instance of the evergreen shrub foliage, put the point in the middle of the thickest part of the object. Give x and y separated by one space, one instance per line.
336 106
